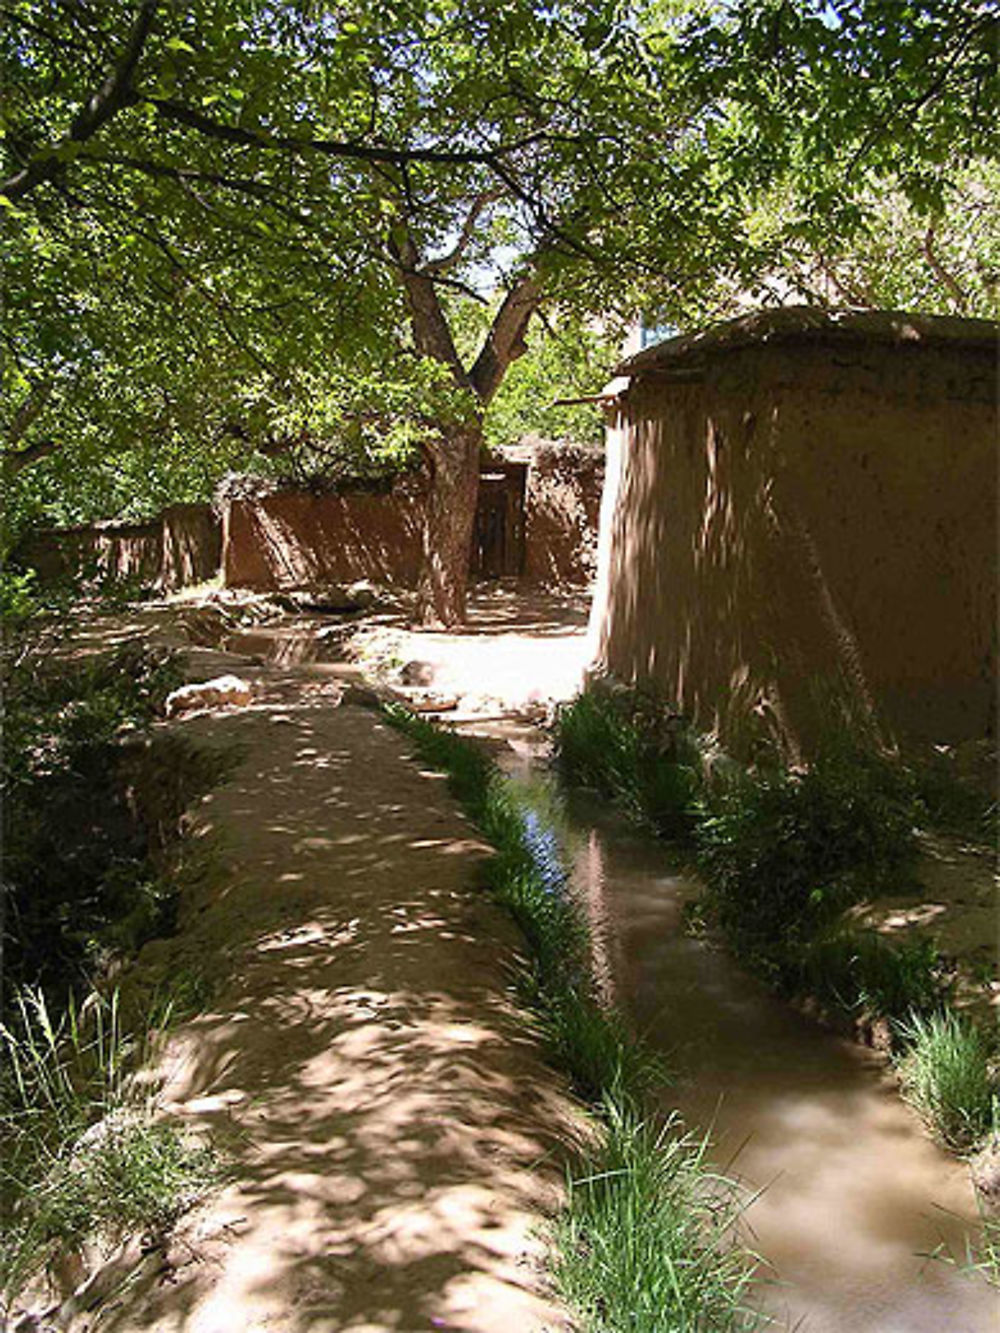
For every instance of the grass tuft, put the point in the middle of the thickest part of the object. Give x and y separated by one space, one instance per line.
647 760
948 1076
648 1241
83 1156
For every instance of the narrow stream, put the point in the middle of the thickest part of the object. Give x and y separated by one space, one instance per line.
853 1196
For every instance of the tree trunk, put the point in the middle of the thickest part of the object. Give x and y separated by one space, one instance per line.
451 515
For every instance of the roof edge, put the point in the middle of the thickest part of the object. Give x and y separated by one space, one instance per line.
815 324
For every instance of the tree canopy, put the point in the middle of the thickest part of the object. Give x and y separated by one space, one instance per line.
234 226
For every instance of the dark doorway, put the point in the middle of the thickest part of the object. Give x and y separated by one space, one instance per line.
498 541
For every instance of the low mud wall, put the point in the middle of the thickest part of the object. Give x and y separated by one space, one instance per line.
182 546
796 529
292 539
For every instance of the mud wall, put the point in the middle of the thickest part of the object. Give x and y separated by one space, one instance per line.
182 546
788 528
292 539
562 506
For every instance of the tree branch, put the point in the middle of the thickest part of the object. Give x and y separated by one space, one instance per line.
18 459
430 327
114 94
438 266
34 401
943 275
340 148
505 341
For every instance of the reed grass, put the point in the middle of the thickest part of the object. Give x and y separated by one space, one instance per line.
82 1153
649 1237
648 1241
947 1073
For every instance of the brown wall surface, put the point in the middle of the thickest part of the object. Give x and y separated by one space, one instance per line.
191 537
562 504
181 547
788 522
292 539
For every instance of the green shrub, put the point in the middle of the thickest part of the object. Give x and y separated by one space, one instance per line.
955 797
947 1075
625 744
861 972
784 852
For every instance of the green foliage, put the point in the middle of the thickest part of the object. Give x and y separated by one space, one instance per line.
647 1239
862 973
82 1153
784 852
948 1072
248 236
19 596
626 744
957 797
565 358
88 807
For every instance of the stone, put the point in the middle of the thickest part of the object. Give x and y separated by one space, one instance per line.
432 703
417 673
222 692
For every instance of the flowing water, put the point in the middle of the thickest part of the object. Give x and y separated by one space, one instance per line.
853 1196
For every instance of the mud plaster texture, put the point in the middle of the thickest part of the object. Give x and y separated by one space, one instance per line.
562 509
179 548
800 509
394 1134
293 539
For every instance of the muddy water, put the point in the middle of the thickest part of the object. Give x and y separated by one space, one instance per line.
853 1195
285 643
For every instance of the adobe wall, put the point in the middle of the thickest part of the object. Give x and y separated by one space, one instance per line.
783 523
191 546
181 547
293 539
562 507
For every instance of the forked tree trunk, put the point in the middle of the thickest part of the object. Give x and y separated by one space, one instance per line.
451 515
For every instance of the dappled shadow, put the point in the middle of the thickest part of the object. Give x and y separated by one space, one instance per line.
293 539
776 541
385 1105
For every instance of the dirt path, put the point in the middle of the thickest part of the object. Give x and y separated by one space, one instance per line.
393 1128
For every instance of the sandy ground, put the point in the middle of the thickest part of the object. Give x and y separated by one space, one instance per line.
395 1137
518 652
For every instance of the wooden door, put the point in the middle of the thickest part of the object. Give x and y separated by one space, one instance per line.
498 540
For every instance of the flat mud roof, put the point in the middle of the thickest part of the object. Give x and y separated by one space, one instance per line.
810 324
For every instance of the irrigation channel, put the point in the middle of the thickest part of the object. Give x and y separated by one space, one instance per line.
849 1198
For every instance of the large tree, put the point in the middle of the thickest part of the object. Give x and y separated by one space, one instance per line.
318 181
